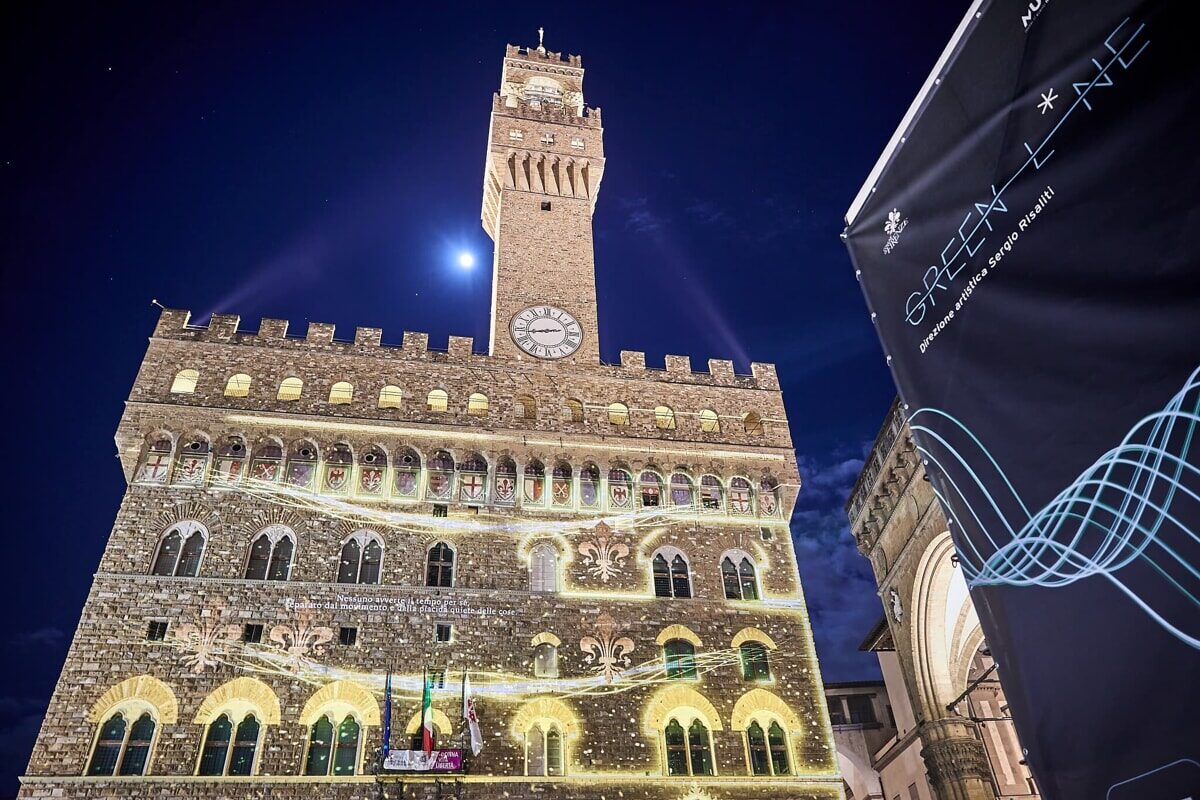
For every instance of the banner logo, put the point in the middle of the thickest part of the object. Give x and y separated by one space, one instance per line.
893 227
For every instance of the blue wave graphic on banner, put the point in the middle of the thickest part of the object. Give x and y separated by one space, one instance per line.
1126 508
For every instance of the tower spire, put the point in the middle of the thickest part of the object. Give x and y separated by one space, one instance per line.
541 34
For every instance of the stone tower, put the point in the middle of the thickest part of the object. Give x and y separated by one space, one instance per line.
603 548
545 160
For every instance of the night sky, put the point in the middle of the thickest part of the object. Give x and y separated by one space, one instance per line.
325 163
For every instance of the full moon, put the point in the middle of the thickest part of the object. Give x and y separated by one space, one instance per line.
466 260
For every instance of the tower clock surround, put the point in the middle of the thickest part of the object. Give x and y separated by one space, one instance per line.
547 332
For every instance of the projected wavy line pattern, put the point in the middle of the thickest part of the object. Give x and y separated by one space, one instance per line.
1128 507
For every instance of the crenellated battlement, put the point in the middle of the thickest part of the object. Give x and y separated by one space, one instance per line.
176 324
564 115
547 56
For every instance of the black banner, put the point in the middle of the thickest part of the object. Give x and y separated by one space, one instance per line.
1029 247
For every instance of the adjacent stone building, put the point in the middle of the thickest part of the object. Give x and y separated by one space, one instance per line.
955 739
604 548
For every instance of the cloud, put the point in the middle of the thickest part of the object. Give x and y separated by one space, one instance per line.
638 216
42 637
709 213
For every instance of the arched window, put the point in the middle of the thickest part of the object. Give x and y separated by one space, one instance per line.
339 466
677 760
589 486
238 385
267 463
341 393
544 750
618 414
157 465
710 493
506 481
440 485
768 497
477 405
290 389
739 496
472 479
689 754
533 484
739 580
408 473
231 460
573 411
524 407
768 751
545 661
218 758
437 400
682 492
752 423
329 749
543 567
271 555
302 465
680 658
371 470
439 565
756 744
185 381
755 666
777 739
561 484
620 489
671 574
180 551
122 749
361 558
192 468
390 396
709 421
650 489
664 418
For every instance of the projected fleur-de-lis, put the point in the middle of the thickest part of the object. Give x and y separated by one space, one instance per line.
604 557
203 642
608 652
301 638
893 222
696 793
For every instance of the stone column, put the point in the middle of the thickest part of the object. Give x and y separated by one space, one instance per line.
956 760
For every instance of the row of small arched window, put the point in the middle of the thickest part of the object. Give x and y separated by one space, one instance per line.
478 405
271 553
471 480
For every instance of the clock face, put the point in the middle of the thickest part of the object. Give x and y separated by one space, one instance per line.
546 332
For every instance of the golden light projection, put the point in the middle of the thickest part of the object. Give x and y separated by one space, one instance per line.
239 697
144 689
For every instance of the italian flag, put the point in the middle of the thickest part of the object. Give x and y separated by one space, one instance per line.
426 715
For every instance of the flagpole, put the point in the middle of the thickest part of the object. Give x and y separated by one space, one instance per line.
465 721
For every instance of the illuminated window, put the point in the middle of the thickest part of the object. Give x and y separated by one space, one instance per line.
768 751
439 565
437 400
573 411
231 460
650 489
339 468
408 473
191 466
506 481
709 422
238 385
672 576
740 580
185 381
477 405
710 493
562 484
218 758
679 655
545 661
472 479
576 143
271 555
544 750
664 418
752 423
618 413
341 393
589 486
361 558
302 465
157 464
740 501
547 138
620 488
329 753
533 483
755 666
756 743
688 753
524 407
516 135
768 497
290 389
543 569
390 396
122 749
440 485
682 492
180 551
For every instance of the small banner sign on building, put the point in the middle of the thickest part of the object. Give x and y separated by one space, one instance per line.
420 761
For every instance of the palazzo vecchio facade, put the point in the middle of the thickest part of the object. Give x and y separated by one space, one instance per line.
603 547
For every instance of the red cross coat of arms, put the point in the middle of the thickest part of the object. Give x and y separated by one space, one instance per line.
155 468
472 486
